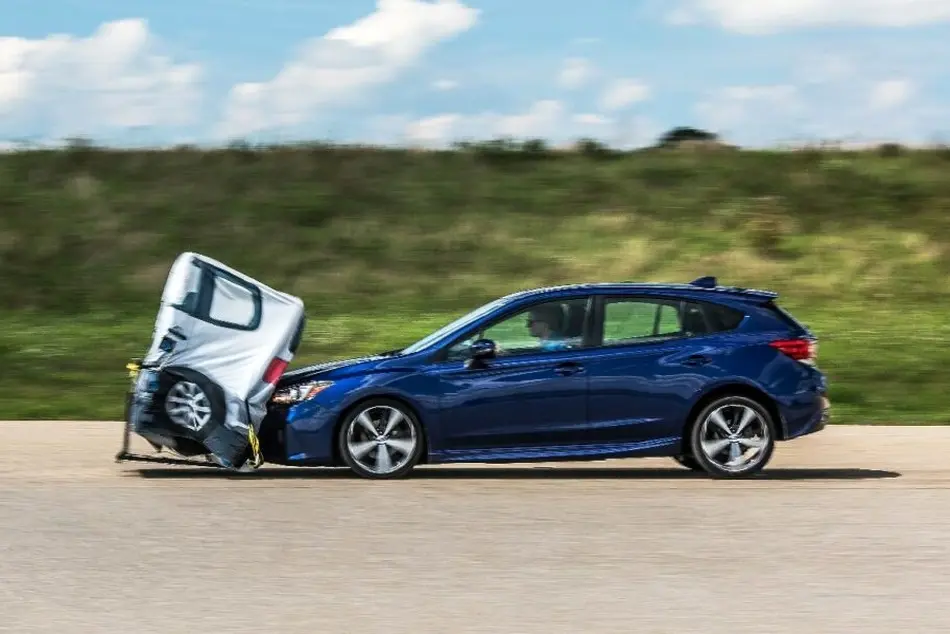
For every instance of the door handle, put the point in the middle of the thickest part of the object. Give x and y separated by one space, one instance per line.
696 359
567 369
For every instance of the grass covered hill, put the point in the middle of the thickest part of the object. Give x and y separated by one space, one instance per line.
384 245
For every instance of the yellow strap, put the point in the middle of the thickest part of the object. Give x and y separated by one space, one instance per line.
255 446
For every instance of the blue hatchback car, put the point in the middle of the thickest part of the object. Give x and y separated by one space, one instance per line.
709 375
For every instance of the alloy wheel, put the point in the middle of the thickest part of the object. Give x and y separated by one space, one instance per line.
735 438
187 405
381 440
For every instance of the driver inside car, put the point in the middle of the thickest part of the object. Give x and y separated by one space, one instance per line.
541 323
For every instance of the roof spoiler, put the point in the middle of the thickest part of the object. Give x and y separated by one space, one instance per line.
710 282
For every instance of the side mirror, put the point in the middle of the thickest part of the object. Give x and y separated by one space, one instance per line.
482 349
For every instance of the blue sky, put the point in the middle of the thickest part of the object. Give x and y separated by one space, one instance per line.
431 71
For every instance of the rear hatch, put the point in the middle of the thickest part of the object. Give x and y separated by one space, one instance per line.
801 344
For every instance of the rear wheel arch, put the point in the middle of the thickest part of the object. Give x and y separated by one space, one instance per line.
175 374
168 378
396 400
733 389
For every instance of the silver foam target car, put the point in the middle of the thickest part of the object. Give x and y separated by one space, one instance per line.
221 342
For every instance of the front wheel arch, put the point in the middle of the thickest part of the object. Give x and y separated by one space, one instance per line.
398 400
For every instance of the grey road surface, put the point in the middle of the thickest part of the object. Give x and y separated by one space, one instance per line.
848 531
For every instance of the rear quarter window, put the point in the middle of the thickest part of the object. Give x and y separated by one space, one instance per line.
721 318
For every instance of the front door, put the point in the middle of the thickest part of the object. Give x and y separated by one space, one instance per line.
531 398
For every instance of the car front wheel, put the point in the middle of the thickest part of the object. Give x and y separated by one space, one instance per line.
381 439
733 437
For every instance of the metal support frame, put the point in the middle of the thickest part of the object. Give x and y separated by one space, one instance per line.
124 455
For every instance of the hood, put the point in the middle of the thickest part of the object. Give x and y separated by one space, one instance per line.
324 370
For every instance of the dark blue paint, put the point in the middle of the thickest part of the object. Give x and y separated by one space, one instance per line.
624 401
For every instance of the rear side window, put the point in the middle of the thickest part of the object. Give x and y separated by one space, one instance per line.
219 298
232 304
630 320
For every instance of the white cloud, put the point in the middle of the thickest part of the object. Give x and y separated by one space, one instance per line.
761 16
431 131
540 120
587 118
547 119
741 112
345 62
575 72
824 68
114 79
623 93
445 84
861 106
890 93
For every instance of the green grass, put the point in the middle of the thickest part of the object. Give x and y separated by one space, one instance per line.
384 246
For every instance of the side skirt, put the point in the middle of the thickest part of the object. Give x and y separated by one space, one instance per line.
659 447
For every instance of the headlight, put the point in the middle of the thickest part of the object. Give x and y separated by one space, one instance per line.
300 392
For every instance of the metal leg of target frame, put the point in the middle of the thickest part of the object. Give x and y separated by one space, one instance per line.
125 456
126 432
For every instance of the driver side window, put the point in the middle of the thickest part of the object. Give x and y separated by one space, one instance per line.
549 326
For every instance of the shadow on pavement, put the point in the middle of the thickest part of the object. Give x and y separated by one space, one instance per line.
516 473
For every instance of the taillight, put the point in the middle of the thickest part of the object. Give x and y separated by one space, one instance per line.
804 350
275 370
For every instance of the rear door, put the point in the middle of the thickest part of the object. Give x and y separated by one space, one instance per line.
652 355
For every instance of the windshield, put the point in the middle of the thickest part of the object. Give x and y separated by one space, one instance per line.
458 323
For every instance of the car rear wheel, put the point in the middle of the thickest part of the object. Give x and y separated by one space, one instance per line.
733 437
381 439
187 405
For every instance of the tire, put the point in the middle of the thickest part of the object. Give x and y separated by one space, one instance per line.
689 462
729 411
189 404
197 436
378 455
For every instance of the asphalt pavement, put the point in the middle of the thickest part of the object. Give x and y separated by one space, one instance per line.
846 531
